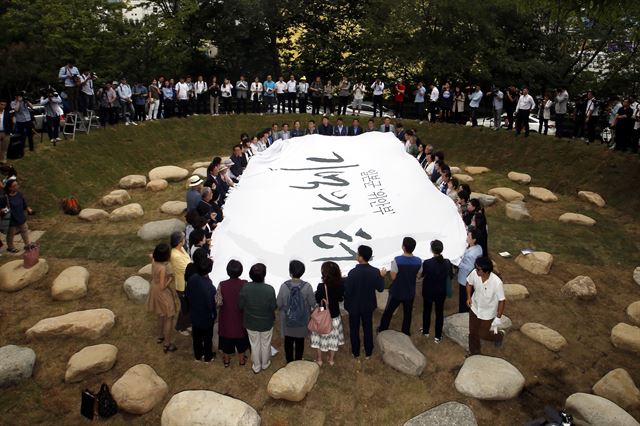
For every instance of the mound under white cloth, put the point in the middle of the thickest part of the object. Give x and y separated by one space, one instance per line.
318 198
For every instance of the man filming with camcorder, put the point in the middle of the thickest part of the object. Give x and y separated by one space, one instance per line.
23 120
52 106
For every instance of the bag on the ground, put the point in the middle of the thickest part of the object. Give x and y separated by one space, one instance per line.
320 321
107 406
31 255
296 314
71 206
88 404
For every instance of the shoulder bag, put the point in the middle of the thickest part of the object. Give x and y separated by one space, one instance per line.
107 406
6 217
320 321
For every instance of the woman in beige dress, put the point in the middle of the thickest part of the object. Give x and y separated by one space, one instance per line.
161 299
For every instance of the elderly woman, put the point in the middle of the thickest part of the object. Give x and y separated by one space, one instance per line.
161 300
295 302
179 260
233 336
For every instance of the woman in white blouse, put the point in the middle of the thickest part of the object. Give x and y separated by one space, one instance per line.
225 94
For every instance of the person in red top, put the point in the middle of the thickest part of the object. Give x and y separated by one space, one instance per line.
233 335
399 98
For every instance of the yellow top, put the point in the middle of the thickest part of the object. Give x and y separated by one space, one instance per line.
179 261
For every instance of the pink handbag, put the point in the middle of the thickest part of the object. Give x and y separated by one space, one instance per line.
31 255
320 321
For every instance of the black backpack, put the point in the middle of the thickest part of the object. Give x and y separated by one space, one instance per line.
107 406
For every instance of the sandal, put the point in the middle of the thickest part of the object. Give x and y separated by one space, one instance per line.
13 250
170 348
160 340
243 360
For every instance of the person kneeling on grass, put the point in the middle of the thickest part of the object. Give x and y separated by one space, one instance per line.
295 302
258 301
199 296
487 305
161 300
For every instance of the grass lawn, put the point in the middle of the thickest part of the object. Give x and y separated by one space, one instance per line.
349 393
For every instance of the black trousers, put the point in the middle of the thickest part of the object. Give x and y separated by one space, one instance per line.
399 109
392 305
183 321
522 120
291 102
53 126
281 98
342 108
241 106
544 123
183 106
315 102
559 125
509 118
433 111
420 110
140 114
328 103
293 348
462 299
429 300
202 342
591 129
474 120
366 318
302 105
226 104
255 104
25 130
201 103
377 105
168 108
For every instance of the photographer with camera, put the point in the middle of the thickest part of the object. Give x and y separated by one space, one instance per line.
23 119
562 97
86 101
52 107
475 97
498 104
591 116
510 102
107 99
70 77
126 103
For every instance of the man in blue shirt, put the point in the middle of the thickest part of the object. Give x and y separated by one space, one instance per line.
404 272
269 87
360 288
474 103
471 253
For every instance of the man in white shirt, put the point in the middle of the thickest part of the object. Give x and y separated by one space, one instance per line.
86 100
292 86
358 95
419 101
126 103
182 94
591 116
378 90
487 305
69 75
201 95
281 94
525 105
433 103
562 98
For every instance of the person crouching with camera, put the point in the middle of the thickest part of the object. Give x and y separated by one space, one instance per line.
52 108
22 116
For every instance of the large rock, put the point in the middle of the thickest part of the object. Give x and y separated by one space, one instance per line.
160 229
204 407
93 215
636 275
200 171
115 198
169 173
485 199
627 337
16 364
542 194
455 170
89 361
517 210
633 310
174 207
593 410
139 389
618 386
476 170
399 352
294 381
128 212
538 262
576 219
157 185
448 414
90 324
489 378
462 178
592 197
146 269
522 178
137 289
71 284
506 194
14 277
133 181
456 328
581 287
198 164
515 292
547 337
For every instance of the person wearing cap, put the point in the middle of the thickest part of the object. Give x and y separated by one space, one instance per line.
303 92
179 260
193 194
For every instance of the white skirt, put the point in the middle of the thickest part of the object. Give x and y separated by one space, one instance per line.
331 341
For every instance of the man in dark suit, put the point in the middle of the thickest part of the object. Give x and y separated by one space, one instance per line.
339 129
355 128
325 129
6 124
360 300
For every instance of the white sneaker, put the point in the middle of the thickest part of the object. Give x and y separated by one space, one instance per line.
126 124
134 123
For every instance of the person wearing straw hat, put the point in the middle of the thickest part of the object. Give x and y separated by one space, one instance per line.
193 194
303 93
